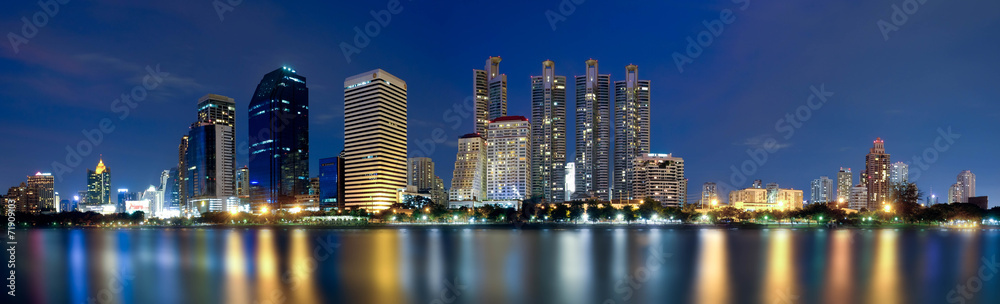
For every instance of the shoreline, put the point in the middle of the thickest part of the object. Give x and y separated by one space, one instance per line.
533 226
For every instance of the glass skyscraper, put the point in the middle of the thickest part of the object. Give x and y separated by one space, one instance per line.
331 183
279 140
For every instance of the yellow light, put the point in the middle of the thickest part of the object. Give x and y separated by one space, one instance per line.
295 210
263 210
887 208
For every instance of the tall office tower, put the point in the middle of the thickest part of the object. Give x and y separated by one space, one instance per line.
631 129
968 181
279 140
508 171
822 190
123 196
211 155
17 196
772 192
955 193
155 199
858 198
439 194
468 181
709 194
661 177
99 185
900 173
490 90
243 182
420 173
374 139
171 193
81 197
548 135
876 175
593 133
845 179
331 183
182 177
44 186
570 180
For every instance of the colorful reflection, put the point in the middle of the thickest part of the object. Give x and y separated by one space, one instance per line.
780 285
885 274
713 266
840 269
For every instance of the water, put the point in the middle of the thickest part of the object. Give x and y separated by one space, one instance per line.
458 265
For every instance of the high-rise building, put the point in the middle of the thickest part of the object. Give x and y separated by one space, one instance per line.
757 199
593 133
876 175
468 181
490 90
123 196
822 190
631 129
243 182
845 179
709 195
279 140
331 183
211 156
182 175
968 183
508 169
438 193
661 177
900 173
171 193
955 193
43 185
374 140
548 135
420 173
17 196
154 198
570 180
99 185
858 198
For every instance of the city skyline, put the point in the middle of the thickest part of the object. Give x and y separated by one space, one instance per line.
140 151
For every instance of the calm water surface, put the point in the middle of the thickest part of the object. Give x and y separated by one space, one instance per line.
457 265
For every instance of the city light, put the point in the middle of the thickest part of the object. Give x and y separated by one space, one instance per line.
294 210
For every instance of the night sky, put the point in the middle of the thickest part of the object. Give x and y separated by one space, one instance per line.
938 71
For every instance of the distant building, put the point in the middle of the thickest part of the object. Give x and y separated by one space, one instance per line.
311 200
755 199
420 173
981 201
438 193
967 182
900 173
876 175
331 183
955 194
43 185
631 131
468 181
99 185
278 121
772 193
709 194
593 134
570 180
508 170
822 190
661 177
374 140
858 198
548 134
845 179
490 91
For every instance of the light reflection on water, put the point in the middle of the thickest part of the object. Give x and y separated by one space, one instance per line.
460 265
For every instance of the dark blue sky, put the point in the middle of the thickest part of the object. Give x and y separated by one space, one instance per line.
938 71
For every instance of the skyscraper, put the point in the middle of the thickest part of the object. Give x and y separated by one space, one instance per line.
374 139
709 194
955 193
182 177
279 139
211 156
570 180
900 173
876 175
490 90
822 190
548 135
468 181
631 129
331 183
661 177
858 198
420 173
43 185
243 182
438 193
968 185
845 179
508 171
593 133
171 193
99 185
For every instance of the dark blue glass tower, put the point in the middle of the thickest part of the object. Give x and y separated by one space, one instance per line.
331 183
279 140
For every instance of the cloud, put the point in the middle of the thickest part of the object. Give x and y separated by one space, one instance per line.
757 142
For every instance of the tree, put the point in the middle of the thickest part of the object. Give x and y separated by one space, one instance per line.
905 197
576 211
